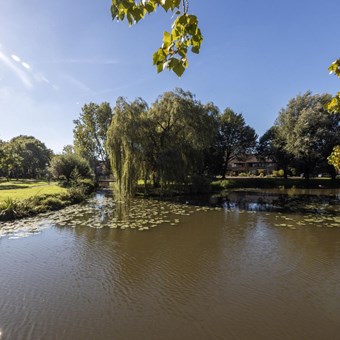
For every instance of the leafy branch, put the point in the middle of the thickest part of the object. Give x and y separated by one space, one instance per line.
334 104
184 35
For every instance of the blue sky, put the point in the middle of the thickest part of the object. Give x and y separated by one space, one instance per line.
55 56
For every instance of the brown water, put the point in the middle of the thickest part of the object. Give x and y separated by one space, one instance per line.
215 274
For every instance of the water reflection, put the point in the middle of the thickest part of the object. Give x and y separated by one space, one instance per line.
217 274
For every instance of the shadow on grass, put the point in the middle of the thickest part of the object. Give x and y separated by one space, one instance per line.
13 186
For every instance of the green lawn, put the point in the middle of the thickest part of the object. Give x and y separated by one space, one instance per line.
24 189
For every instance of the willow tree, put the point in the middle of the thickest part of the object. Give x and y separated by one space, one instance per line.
180 128
124 145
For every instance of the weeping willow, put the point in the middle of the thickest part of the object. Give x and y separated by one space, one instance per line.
124 147
163 145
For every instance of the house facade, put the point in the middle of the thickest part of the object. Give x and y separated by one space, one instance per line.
252 165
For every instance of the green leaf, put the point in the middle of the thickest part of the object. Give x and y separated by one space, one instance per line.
195 49
114 11
167 38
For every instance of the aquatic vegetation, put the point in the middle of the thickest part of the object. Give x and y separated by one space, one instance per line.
13 209
103 212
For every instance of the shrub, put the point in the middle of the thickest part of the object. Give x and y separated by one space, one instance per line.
52 203
69 166
200 185
76 194
9 209
88 185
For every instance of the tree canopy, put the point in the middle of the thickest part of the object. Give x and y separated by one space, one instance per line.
184 34
236 138
24 156
69 164
162 144
309 131
271 145
90 132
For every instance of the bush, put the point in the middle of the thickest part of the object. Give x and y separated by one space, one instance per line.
281 173
76 194
278 173
9 209
243 174
70 166
261 172
52 203
200 185
88 185
221 184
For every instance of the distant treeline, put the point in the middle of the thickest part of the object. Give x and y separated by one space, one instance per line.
178 139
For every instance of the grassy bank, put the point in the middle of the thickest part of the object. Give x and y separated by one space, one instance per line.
266 183
25 198
20 190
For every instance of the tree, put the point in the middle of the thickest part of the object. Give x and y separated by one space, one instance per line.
334 158
124 145
24 156
236 138
90 133
164 144
272 145
10 161
67 164
334 106
185 33
180 130
309 131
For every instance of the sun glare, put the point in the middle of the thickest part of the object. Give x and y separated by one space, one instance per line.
15 57
25 65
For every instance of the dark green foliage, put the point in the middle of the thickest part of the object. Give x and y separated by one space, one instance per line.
235 139
164 145
261 183
200 185
68 165
90 133
24 157
309 132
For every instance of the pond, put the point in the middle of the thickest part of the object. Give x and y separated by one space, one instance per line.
242 267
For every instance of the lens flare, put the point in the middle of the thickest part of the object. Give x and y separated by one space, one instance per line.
15 57
25 65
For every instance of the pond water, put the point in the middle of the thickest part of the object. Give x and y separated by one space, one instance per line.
243 268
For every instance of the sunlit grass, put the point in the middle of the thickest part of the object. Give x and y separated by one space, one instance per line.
5 185
20 191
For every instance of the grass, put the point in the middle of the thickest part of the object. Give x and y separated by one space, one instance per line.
24 189
20 184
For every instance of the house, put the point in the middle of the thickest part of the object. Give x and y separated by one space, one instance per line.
251 164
